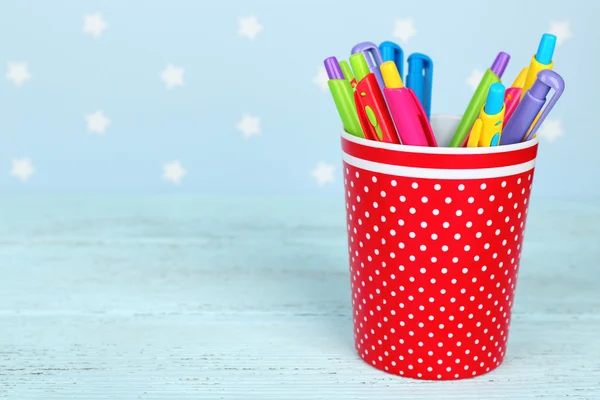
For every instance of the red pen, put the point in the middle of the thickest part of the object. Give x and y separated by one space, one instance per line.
373 114
513 94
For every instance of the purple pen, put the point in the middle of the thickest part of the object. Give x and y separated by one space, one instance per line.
500 63
532 102
332 66
373 57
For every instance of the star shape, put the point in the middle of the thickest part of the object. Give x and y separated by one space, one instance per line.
174 172
97 122
323 173
404 29
172 76
94 24
561 30
550 130
22 169
321 79
474 79
249 125
18 73
249 27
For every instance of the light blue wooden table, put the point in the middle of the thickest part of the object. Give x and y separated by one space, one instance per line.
157 297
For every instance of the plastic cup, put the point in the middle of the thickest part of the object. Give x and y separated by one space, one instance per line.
434 241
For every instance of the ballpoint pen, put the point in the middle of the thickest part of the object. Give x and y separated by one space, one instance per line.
409 117
390 51
373 113
420 79
491 75
342 94
348 75
521 126
540 61
373 57
513 94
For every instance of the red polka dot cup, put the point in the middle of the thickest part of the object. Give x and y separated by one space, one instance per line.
435 238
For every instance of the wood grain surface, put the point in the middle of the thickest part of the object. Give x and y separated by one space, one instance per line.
187 297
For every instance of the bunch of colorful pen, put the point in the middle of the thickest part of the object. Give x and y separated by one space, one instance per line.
374 104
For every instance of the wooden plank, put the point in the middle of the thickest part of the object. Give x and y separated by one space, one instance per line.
156 298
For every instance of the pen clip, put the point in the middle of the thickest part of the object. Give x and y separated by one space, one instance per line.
367 127
424 65
424 121
373 57
390 51
553 81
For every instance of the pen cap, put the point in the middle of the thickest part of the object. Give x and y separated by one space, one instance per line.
334 71
545 50
420 65
390 51
500 63
495 99
359 65
391 76
546 80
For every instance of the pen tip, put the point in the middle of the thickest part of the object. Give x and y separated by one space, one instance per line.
500 63
333 68
546 49
495 99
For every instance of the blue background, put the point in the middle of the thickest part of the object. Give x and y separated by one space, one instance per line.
227 75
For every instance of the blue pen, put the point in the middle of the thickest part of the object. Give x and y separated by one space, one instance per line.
420 79
390 51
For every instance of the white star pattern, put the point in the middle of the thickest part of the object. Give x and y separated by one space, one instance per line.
249 125
550 130
323 173
172 76
93 24
321 79
404 29
249 27
174 172
22 169
474 79
561 30
18 73
97 122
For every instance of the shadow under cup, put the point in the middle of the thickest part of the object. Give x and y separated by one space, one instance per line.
434 241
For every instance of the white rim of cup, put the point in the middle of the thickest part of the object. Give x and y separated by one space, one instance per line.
440 150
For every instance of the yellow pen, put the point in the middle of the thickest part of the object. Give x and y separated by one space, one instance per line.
475 134
519 82
540 61
492 116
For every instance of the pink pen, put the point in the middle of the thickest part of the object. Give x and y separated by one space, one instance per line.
513 94
407 112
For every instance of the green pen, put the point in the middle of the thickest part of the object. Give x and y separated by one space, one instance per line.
347 72
343 97
473 109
